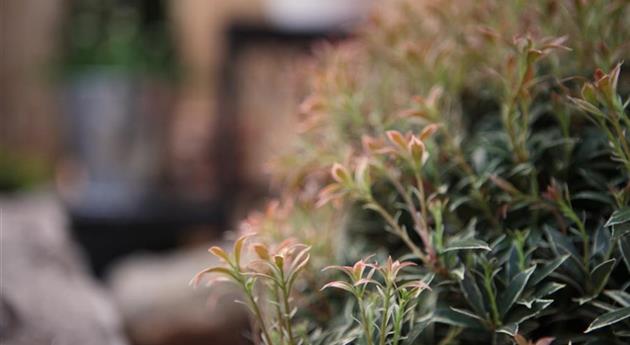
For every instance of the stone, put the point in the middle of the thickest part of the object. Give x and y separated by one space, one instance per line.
47 293
159 306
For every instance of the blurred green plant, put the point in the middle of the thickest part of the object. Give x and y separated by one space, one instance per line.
130 36
19 172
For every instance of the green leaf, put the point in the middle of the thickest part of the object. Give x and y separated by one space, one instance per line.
600 274
622 334
512 264
593 196
619 296
609 319
606 307
624 248
473 295
619 217
339 285
459 272
466 244
569 280
602 241
543 272
457 202
456 318
548 289
593 178
620 230
417 329
510 329
561 244
587 107
545 290
585 299
521 313
513 290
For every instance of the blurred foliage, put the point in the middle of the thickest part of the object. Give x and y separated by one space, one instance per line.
129 35
18 172
485 141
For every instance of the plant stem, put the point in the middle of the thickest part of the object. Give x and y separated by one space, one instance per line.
259 316
582 228
520 152
487 283
424 231
408 202
385 317
398 320
451 335
401 232
281 319
287 309
365 321
623 143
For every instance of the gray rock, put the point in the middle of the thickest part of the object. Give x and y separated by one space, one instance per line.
160 308
46 294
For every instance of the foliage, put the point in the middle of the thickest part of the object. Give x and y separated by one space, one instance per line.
396 294
129 36
20 173
470 139
277 269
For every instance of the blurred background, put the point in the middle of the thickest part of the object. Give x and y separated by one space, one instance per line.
133 135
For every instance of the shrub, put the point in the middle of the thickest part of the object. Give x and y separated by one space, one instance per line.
469 140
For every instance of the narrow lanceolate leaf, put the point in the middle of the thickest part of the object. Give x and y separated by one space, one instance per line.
416 330
219 253
238 247
545 290
602 241
624 248
397 139
620 230
600 274
585 299
466 244
467 313
619 217
341 175
510 329
521 313
606 307
543 272
622 334
456 318
514 290
593 196
459 272
220 270
548 289
619 296
296 270
609 319
472 293
561 244
339 285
